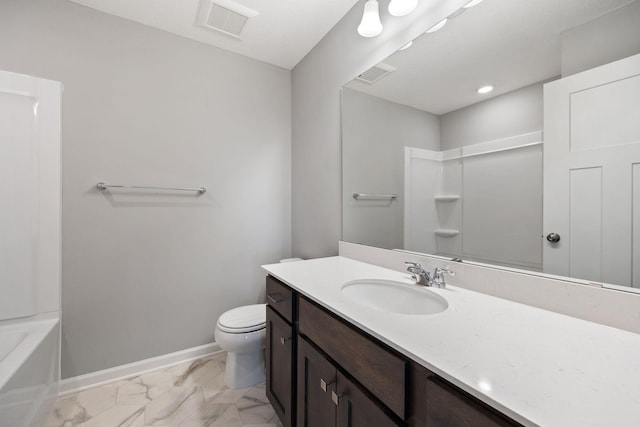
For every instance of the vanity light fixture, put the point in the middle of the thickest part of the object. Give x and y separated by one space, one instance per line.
436 27
402 7
406 46
370 26
472 3
485 89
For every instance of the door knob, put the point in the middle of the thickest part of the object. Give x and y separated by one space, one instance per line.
553 237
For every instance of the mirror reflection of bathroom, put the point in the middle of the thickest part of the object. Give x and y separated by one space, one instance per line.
460 126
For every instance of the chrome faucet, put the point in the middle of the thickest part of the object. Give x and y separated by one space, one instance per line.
438 276
423 278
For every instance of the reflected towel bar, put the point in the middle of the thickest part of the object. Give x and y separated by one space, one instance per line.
102 186
363 196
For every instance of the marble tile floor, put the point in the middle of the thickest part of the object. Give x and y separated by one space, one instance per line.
192 394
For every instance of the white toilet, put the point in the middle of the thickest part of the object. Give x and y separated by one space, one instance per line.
242 333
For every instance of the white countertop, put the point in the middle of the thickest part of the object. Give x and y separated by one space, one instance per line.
538 367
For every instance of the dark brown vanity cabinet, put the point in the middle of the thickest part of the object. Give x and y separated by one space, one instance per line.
279 366
323 372
379 370
316 381
326 397
435 402
280 351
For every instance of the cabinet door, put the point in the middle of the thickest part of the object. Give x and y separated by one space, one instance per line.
379 370
316 381
356 409
279 361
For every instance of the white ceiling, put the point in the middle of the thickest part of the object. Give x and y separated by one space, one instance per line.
506 43
282 33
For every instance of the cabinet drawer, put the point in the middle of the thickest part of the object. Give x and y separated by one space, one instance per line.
379 370
449 407
280 298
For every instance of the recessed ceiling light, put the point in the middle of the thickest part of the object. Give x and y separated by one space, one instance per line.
436 27
406 46
472 3
485 89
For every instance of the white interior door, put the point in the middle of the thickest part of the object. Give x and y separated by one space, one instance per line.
592 174
29 193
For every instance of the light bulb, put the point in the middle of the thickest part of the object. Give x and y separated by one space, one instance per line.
402 7
472 3
436 27
370 26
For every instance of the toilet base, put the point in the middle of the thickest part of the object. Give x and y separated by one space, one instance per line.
244 369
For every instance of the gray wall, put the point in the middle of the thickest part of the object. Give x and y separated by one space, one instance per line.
613 36
510 114
374 134
316 82
147 274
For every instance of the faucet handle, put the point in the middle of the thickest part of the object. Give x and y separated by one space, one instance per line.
445 271
439 274
414 268
412 265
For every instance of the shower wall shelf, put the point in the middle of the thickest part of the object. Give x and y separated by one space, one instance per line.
447 198
445 232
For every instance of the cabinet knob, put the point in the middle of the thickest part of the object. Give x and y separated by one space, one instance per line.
324 384
275 297
336 397
283 340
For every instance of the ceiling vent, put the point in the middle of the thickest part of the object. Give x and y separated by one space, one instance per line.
224 16
375 73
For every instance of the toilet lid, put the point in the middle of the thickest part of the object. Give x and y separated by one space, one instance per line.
243 319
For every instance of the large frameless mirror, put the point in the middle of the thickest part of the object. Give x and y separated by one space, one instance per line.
510 136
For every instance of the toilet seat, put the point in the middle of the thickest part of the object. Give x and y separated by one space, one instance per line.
242 320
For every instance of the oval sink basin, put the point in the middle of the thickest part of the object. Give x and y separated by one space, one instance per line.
394 297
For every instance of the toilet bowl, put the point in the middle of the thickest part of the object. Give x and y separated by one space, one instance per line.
242 333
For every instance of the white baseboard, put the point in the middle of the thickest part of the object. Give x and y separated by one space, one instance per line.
82 382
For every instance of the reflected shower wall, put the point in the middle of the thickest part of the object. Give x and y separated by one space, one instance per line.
481 202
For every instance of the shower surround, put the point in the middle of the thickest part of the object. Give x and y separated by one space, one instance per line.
29 248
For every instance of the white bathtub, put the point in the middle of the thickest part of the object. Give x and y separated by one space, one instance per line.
29 369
